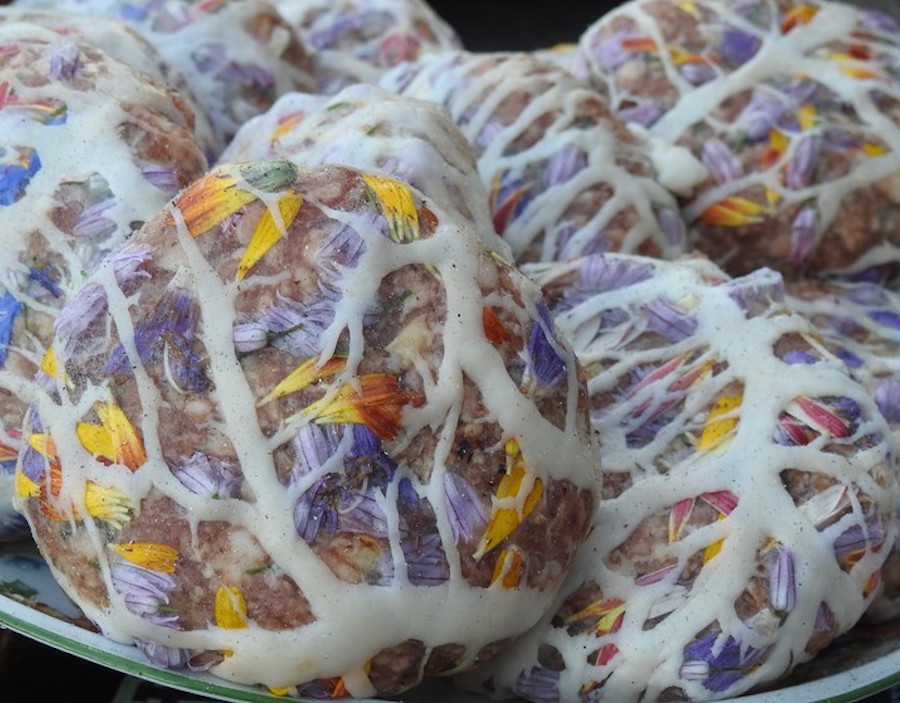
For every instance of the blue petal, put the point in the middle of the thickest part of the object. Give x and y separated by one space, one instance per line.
9 309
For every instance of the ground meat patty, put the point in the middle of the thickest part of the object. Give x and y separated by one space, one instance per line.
120 41
237 56
792 107
356 41
369 128
749 488
859 322
564 175
90 150
301 412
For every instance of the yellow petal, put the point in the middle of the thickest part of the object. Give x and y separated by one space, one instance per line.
115 439
603 613
303 376
43 444
149 555
108 504
25 487
48 362
504 520
231 608
806 115
269 231
722 420
397 205
691 8
871 149
712 550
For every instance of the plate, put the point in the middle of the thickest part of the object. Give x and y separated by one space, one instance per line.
861 663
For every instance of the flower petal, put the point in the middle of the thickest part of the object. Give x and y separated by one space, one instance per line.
375 400
397 206
734 211
148 555
504 520
721 422
303 376
114 440
269 231
230 608
108 504
508 569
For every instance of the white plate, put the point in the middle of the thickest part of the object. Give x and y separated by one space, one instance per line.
864 662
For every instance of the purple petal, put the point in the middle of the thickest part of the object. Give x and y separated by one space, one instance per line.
672 225
65 61
804 234
782 586
760 115
209 476
564 165
544 359
802 165
539 684
887 398
465 509
664 318
314 445
724 164
646 113
738 46
249 337
887 318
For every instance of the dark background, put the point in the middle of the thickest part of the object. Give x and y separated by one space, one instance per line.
497 25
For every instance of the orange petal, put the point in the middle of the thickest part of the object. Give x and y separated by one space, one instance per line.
606 615
639 44
508 569
734 211
210 200
285 125
802 14
494 329
375 400
9 450
225 190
